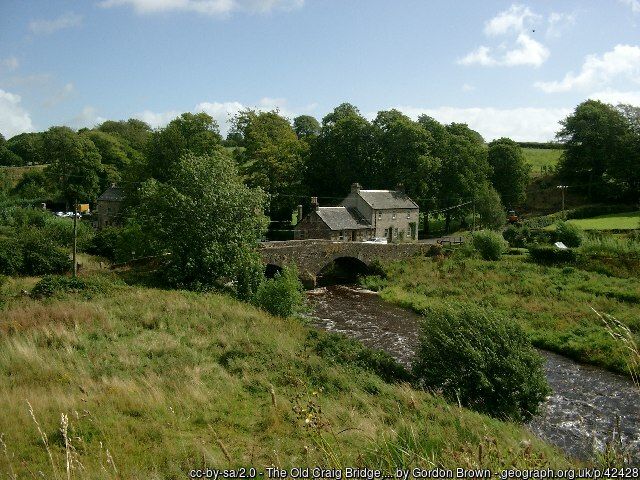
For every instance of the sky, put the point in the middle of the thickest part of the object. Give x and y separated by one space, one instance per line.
504 68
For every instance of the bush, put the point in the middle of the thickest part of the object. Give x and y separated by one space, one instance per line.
569 234
489 244
282 295
41 255
57 285
551 255
521 237
482 360
343 350
10 257
105 242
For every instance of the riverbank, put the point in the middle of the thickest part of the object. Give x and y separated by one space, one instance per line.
154 383
578 417
553 304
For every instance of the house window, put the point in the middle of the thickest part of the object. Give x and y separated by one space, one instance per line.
395 232
393 215
379 215
408 215
341 237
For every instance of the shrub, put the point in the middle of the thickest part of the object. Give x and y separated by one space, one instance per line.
105 242
551 255
343 350
41 255
569 234
489 244
10 257
482 360
282 295
57 285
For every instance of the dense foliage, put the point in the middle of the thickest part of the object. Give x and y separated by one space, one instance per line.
207 225
282 295
569 234
482 360
489 244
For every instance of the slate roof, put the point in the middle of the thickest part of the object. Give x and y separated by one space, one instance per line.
341 218
386 199
112 194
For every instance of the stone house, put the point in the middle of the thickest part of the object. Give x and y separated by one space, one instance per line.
109 205
362 215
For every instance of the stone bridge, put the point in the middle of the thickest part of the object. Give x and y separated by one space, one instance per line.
312 256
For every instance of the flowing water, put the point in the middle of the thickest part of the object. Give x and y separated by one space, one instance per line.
581 413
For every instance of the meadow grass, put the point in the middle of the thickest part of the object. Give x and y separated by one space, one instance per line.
552 304
541 157
614 221
147 383
14 174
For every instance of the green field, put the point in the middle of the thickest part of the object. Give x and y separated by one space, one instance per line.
14 174
541 157
614 221
552 304
157 382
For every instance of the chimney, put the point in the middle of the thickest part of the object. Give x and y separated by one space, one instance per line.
299 213
314 204
400 188
355 187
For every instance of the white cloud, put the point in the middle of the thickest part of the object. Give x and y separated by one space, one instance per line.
88 118
526 52
223 111
10 63
205 7
517 21
67 20
468 88
622 61
615 97
514 20
633 4
60 95
521 124
559 22
13 118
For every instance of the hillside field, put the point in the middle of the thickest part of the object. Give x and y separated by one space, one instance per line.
541 157
154 383
614 221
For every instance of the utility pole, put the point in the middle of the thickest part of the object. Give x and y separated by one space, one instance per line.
75 237
563 188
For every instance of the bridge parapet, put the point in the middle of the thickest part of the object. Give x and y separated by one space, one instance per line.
311 256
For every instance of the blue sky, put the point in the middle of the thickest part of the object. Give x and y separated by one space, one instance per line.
505 68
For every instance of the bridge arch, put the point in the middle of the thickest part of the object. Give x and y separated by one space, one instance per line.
341 269
271 269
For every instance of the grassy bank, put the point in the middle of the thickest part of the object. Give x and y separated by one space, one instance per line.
541 157
552 304
614 221
154 383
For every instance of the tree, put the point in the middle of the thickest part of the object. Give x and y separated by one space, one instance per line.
209 224
33 185
510 173
344 153
29 147
7 157
306 127
593 138
75 165
196 133
489 207
133 132
404 156
463 172
272 159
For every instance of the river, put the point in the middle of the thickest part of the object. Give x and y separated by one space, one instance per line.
580 414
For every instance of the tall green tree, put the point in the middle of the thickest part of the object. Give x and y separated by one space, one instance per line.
509 171
29 147
272 159
593 138
7 157
209 224
75 165
134 132
197 133
306 127
404 156
344 153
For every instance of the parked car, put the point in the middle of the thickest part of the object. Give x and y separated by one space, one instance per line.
376 240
